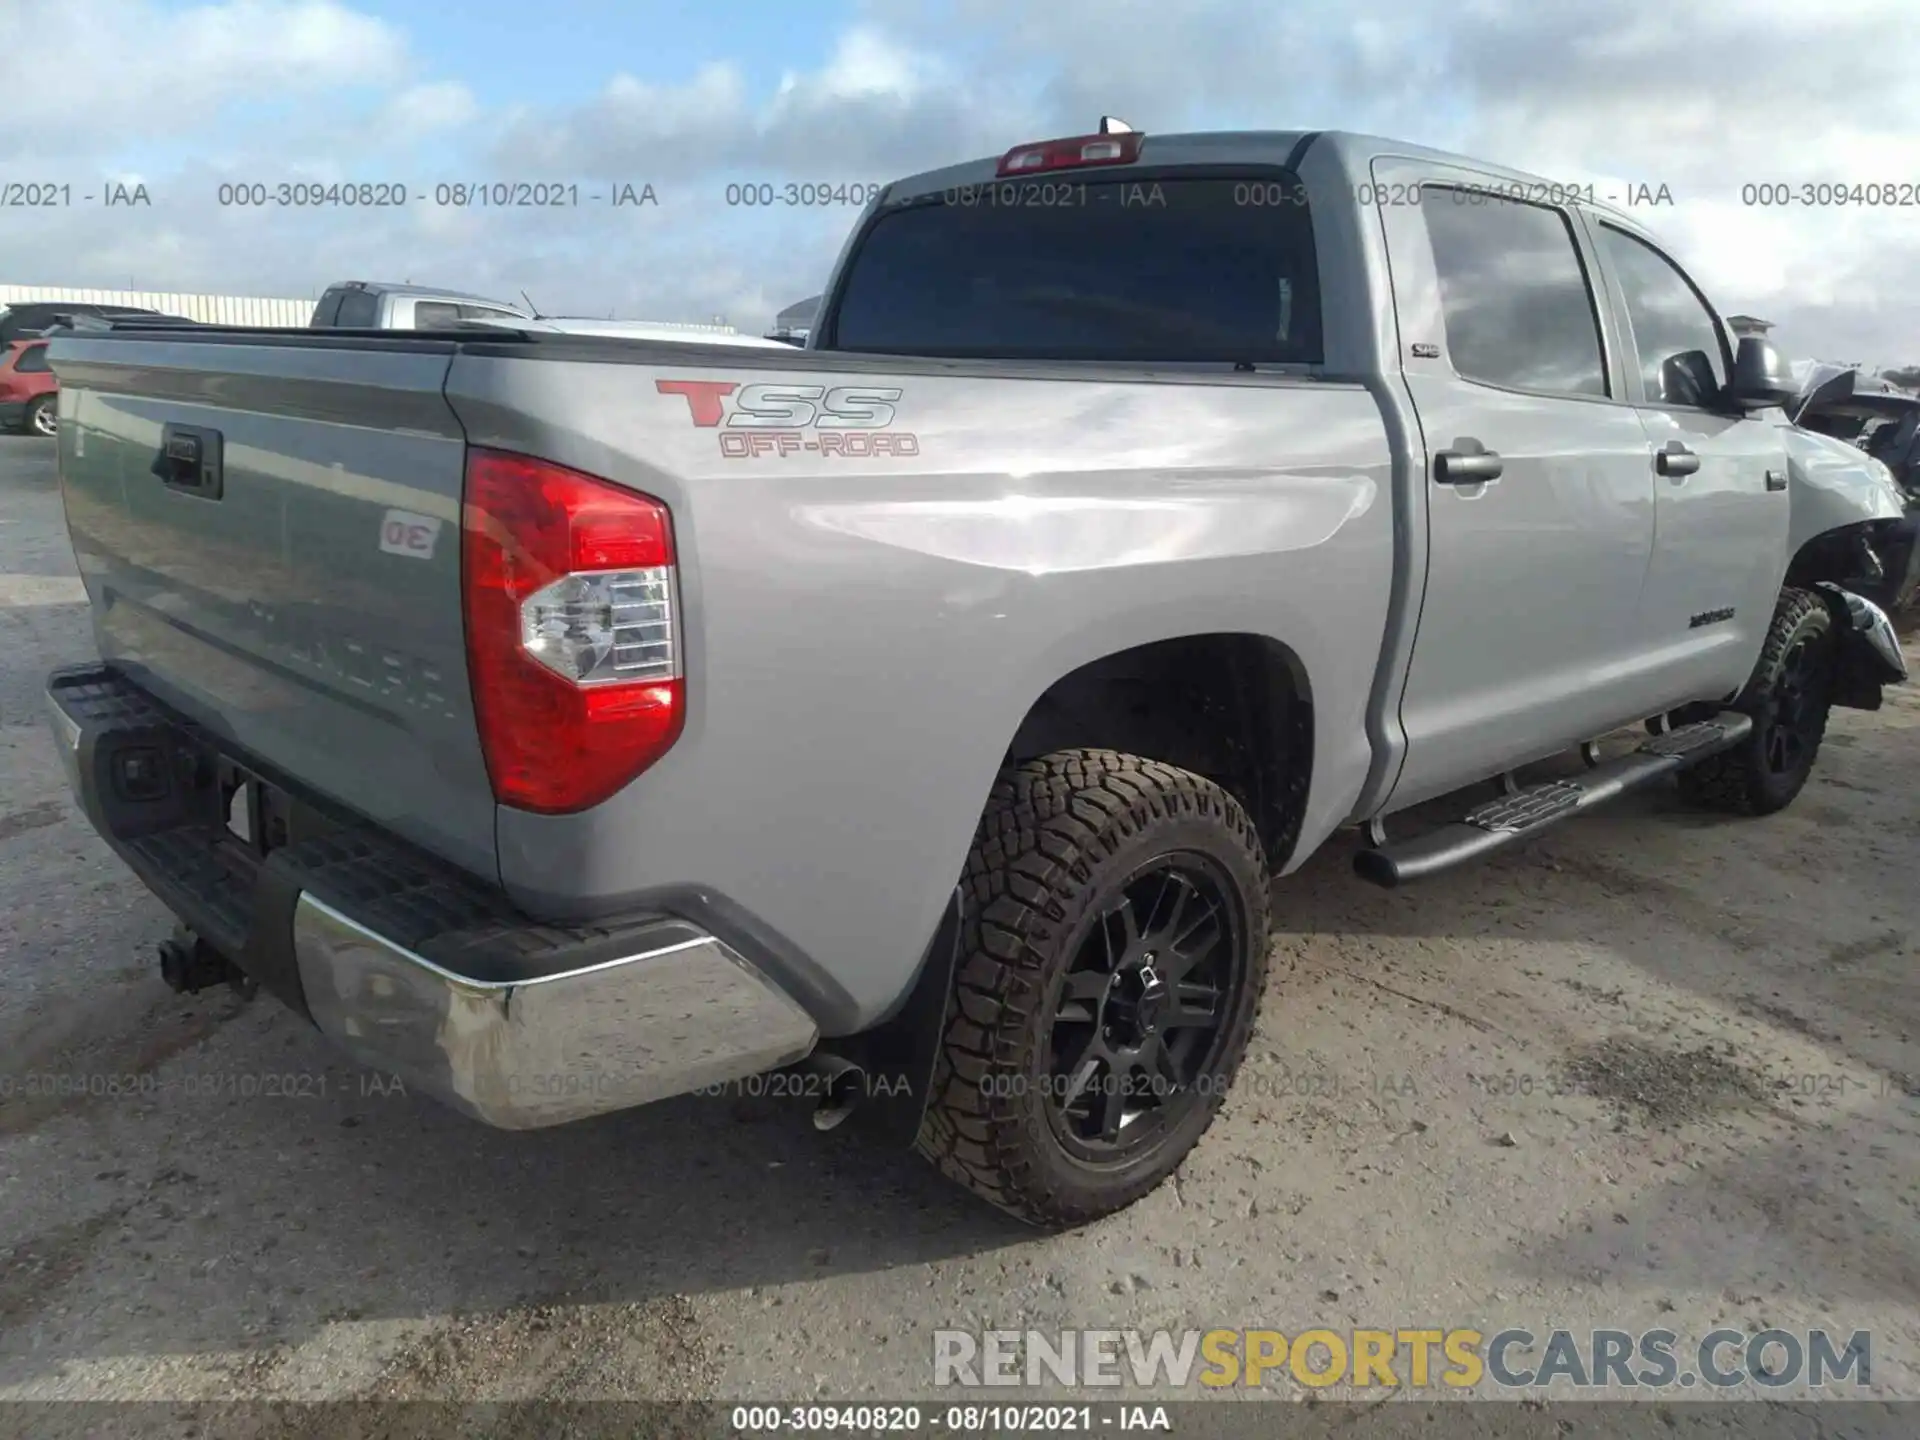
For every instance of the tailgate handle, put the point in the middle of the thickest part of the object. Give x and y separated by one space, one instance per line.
189 460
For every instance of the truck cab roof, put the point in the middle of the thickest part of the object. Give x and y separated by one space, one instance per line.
438 292
1355 151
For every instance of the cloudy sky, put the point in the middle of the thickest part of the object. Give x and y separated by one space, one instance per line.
187 95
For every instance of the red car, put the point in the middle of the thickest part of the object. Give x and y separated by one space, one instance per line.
28 388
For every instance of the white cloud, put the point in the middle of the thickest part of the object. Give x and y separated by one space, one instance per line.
115 72
424 110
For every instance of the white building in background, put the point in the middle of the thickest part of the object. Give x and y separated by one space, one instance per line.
208 309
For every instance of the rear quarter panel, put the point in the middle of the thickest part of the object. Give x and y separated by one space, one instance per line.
865 634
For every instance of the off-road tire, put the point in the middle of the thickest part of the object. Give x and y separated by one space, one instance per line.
1058 834
1740 781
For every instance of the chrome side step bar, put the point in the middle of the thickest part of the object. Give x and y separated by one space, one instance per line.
1525 812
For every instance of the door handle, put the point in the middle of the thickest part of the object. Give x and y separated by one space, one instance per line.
1676 460
1776 479
1459 467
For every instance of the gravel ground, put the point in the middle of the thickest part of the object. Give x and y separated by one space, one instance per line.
1657 1070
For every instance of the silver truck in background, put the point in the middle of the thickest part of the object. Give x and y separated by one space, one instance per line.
565 721
795 322
381 305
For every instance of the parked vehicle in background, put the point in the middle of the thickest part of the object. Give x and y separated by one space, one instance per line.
566 721
376 305
1882 560
793 324
65 323
29 390
29 318
630 330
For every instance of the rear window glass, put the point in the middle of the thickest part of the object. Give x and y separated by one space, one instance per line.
359 310
1065 268
435 315
32 360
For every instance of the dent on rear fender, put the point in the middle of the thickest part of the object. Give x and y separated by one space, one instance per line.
1070 526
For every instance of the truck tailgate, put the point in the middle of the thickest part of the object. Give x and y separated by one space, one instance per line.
306 608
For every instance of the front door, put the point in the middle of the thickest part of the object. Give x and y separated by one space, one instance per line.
1721 507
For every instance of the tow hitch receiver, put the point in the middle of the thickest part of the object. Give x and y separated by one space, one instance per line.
189 965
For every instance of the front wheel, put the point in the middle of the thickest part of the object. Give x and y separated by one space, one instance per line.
1113 952
1789 697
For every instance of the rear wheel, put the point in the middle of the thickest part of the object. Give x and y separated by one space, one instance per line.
1113 954
1789 697
41 417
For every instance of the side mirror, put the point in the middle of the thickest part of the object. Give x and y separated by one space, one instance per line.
1760 377
1688 379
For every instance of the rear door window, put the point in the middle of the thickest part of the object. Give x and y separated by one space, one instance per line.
435 315
33 360
1088 267
1518 308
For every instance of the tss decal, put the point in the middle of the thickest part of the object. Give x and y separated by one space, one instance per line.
782 419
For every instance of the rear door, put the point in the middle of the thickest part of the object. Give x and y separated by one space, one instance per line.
1722 505
307 606
1539 482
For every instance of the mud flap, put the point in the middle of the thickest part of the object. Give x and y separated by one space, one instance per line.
898 1054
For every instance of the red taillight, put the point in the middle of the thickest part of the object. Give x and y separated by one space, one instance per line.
572 639
1074 152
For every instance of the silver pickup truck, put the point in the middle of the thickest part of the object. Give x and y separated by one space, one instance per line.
566 722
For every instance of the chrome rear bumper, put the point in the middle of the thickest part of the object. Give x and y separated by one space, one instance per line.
523 1054
553 1024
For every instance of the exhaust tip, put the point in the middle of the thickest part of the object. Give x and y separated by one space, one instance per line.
831 1113
844 1085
